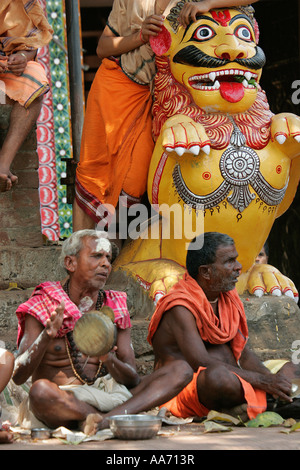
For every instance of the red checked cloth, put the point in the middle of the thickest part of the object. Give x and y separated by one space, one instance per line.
48 295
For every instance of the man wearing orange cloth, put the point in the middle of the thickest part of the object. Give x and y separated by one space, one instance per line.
23 82
199 334
202 320
117 143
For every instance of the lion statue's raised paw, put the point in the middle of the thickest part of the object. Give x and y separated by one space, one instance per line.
264 279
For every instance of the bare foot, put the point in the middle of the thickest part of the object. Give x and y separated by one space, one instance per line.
93 423
7 179
5 183
6 437
14 178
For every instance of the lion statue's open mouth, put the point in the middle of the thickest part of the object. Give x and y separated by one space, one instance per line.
230 82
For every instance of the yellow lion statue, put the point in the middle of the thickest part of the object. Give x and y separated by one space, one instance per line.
222 160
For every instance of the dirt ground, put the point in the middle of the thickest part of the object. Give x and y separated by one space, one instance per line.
182 442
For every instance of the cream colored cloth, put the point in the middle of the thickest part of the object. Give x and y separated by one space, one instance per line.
10 400
126 18
104 395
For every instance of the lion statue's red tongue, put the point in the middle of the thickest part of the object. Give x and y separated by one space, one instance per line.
232 91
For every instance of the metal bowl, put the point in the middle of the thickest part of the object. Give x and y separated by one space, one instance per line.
135 426
40 433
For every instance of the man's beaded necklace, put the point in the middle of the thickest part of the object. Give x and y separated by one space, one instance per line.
73 352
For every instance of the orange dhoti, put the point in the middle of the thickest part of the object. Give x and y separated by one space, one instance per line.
187 404
23 27
116 144
26 87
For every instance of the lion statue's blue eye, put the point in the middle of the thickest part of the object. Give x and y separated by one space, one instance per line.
203 33
242 32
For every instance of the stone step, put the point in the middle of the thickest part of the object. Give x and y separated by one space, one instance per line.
29 266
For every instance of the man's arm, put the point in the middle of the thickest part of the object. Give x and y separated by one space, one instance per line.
34 344
260 377
120 362
111 45
192 9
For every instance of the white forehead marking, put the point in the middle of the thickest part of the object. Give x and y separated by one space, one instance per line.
103 244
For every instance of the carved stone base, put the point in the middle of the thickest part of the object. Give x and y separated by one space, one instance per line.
274 324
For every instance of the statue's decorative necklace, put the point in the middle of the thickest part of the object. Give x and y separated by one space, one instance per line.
74 353
240 167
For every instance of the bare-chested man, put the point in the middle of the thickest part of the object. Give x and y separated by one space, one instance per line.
46 350
45 323
201 322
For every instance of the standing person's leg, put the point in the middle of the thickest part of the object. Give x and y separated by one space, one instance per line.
21 122
81 220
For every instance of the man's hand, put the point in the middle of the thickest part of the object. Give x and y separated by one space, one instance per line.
151 26
278 386
190 11
110 353
17 63
3 64
120 361
55 321
256 373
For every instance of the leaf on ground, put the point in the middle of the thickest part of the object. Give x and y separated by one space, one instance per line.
292 428
288 423
211 426
266 419
222 417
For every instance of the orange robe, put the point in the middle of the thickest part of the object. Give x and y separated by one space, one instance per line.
27 87
231 327
23 27
116 144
